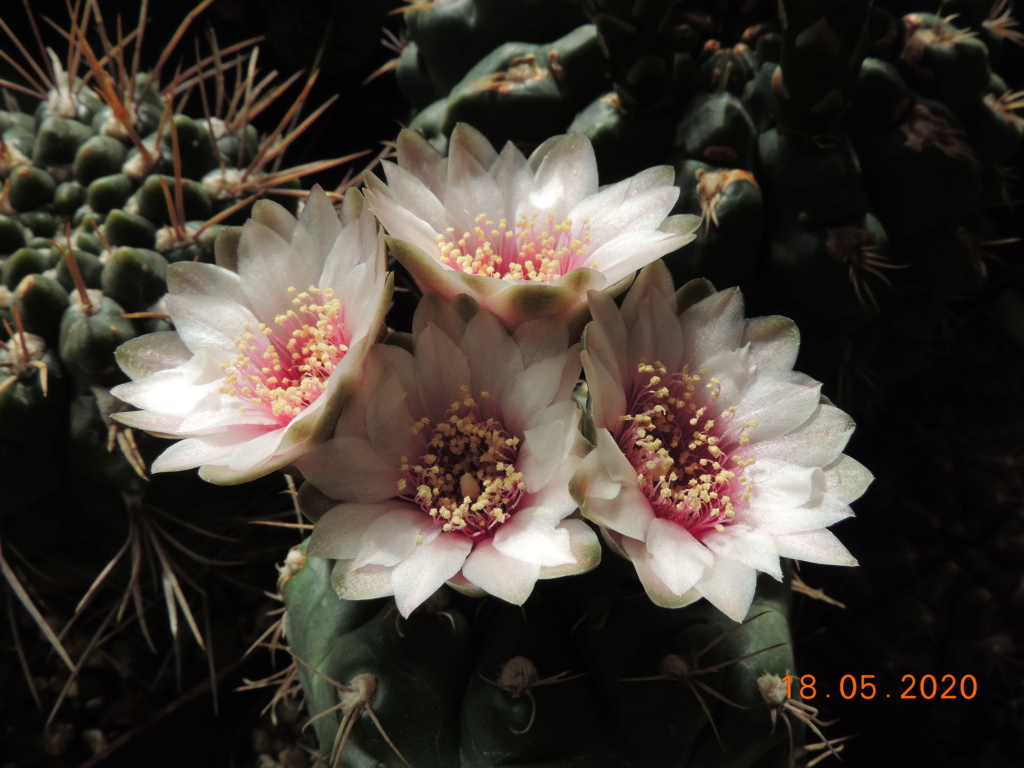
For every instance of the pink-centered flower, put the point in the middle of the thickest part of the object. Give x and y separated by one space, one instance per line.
452 463
524 237
264 353
713 457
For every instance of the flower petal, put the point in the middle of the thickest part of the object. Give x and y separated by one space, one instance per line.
729 586
814 547
677 558
506 577
349 469
429 566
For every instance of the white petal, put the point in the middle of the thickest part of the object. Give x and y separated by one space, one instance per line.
541 339
268 266
441 371
420 157
775 342
546 446
778 406
149 421
392 537
531 535
625 254
349 468
819 513
677 558
584 547
215 411
780 485
149 354
656 589
338 532
257 449
366 583
816 443
606 398
209 321
494 353
500 575
529 393
746 545
566 173
389 423
814 547
847 479
193 451
316 232
197 278
429 566
713 325
729 586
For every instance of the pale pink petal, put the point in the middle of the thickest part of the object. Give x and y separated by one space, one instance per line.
209 321
712 325
152 353
189 453
548 444
677 558
195 277
270 264
506 577
566 174
339 531
584 547
656 589
441 371
779 485
729 586
392 537
778 406
349 468
429 566
847 479
746 545
820 512
315 234
816 443
775 342
814 547
532 536
367 583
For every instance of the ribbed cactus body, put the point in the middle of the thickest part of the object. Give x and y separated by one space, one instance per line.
587 673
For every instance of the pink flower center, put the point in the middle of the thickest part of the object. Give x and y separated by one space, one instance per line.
686 458
284 368
529 251
468 483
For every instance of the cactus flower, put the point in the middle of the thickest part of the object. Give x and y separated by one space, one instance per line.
524 237
713 457
452 463
266 352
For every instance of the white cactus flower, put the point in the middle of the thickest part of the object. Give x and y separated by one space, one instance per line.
265 352
524 237
453 463
713 457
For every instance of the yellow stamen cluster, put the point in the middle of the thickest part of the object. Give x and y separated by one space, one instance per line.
468 482
521 253
684 455
285 368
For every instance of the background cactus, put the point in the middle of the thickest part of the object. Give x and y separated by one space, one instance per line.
850 162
